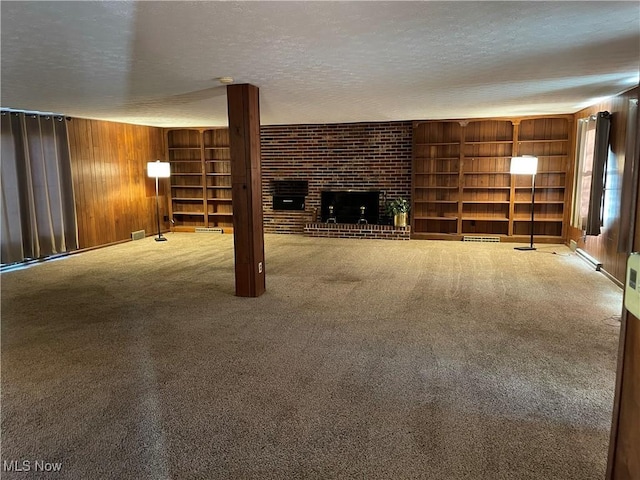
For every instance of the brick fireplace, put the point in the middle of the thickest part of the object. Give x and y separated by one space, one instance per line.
359 157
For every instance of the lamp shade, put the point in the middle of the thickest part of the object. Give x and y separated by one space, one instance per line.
158 169
527 165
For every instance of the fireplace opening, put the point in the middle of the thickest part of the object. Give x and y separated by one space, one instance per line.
347 206
289 194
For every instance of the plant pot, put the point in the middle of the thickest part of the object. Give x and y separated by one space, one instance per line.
400 220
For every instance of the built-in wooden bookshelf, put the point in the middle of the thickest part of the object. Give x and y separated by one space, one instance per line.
549 140
461 183
436 177
200 179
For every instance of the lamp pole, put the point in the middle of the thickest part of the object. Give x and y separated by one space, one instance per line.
533 201
160 237
158 170
521 166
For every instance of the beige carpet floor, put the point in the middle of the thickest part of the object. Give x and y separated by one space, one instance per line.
364 359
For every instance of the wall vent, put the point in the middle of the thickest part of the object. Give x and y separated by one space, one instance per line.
138 235
480 238
209 230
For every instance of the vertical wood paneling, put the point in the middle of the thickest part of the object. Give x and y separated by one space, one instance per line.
626 464
109 176
604 247
624 451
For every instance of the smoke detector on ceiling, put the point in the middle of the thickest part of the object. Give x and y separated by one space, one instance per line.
225 80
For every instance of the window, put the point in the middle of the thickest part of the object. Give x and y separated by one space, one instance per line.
588 189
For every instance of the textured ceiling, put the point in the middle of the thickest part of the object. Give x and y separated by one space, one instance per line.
155 63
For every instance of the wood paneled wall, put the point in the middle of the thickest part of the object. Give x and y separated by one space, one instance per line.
113 195
604 247
624 452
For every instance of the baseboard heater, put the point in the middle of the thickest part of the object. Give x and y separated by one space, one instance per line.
480 238
589 259
209 230
138 235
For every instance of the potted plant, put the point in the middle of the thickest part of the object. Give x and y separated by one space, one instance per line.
399 208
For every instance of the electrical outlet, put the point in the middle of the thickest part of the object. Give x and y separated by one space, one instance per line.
259 267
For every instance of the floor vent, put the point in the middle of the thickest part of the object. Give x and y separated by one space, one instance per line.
138 235
478 238
209 230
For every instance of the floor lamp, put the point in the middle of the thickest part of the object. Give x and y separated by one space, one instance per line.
526 165
158 170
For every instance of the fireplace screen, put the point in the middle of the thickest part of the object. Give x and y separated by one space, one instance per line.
348 206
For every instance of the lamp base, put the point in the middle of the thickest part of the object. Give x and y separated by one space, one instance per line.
160 238
524 249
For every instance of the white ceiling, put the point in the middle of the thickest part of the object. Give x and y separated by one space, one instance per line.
155 63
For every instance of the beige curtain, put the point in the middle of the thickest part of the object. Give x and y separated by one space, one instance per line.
38 208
